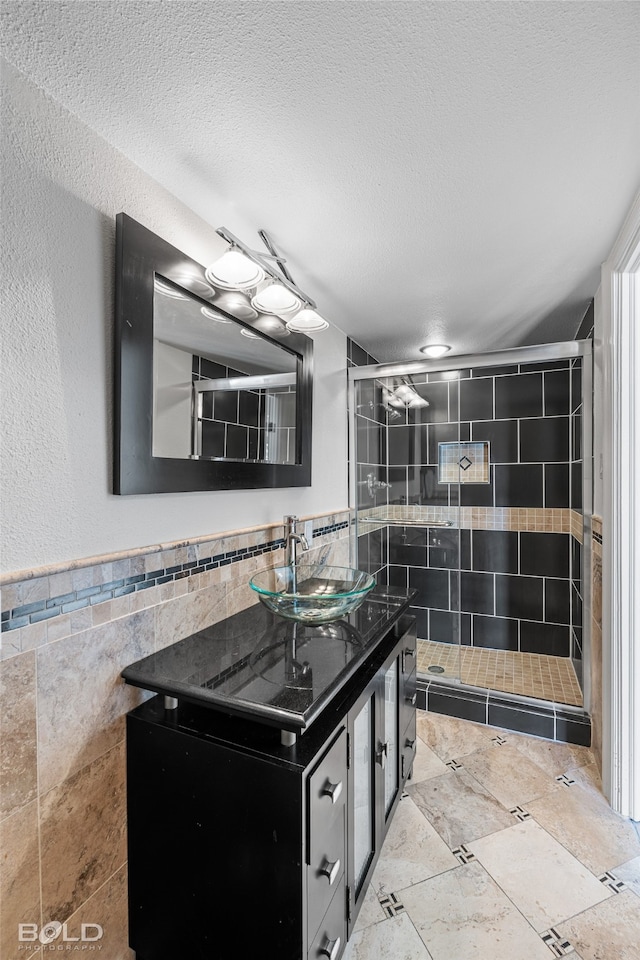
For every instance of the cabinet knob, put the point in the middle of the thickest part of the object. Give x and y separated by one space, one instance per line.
332 790
330 870
330 948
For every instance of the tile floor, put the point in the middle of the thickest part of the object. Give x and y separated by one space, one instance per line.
502 848
528 674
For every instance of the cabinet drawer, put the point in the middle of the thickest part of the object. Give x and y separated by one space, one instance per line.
330 938
408 651
327 793
325 874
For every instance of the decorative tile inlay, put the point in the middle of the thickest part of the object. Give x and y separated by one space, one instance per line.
454 765
463 462
391 904
558 945
463 854
612 882
520 814
565 779
499 741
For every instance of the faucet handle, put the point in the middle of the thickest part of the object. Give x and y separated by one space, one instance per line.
290 519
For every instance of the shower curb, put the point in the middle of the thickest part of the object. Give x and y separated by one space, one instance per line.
553 721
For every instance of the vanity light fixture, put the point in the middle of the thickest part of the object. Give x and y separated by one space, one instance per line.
238 306
279 297
234 271
435 350
276 298
307 321
167 290
211 314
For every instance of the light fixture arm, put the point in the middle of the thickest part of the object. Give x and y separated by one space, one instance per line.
262 258
269 244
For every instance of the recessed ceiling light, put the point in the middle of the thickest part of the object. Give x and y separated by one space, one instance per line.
435 350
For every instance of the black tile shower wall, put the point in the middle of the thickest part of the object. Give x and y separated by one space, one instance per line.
502 589
357 356
527 415
235 423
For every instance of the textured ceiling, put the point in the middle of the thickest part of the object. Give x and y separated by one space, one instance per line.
433 171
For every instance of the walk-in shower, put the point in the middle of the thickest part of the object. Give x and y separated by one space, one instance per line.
471 483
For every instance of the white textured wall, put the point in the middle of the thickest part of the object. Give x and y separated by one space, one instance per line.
172 387
63 186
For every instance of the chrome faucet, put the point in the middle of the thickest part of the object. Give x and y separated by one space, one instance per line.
291 541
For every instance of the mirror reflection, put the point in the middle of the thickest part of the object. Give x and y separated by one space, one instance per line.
221 390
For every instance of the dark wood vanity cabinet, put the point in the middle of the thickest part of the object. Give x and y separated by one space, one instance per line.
241 847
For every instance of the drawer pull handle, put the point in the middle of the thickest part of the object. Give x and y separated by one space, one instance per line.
407 652
381 754
330 870
330 948
412 700
332 790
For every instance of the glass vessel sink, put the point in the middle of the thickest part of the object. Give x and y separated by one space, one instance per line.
312 593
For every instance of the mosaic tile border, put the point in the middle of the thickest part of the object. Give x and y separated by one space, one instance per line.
538 519
14 618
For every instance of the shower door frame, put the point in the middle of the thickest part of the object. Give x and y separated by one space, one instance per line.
540 353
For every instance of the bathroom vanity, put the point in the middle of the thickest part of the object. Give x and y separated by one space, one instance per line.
263 778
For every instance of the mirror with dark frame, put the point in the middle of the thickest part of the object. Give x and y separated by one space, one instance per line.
209 393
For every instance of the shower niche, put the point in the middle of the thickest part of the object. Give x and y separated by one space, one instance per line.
482 503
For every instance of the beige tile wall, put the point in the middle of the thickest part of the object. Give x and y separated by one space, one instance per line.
62 709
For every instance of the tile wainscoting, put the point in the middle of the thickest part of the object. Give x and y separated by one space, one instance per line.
67 632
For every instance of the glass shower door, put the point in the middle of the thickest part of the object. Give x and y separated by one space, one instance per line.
405 463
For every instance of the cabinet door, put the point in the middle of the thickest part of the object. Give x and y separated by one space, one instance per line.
362 828
363 792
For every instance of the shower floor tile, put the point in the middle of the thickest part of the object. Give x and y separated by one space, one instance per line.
528 674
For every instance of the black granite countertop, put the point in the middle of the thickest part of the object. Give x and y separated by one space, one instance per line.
261 667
